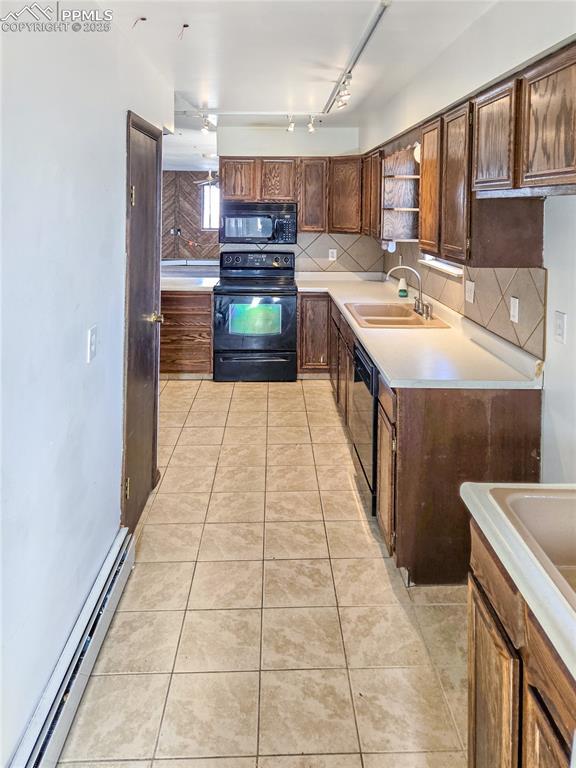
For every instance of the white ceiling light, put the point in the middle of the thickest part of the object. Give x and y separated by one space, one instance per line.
311 126
291 125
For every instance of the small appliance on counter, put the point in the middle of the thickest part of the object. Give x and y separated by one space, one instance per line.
258 223
255 304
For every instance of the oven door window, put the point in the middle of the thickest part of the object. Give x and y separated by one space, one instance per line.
255 319
249 227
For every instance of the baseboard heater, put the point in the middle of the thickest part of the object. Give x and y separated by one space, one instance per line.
46 733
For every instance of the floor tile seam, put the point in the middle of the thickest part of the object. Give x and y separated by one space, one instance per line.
350 690
448 706
262 582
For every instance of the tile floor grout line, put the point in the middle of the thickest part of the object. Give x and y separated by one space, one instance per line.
258 717
163 714
350 690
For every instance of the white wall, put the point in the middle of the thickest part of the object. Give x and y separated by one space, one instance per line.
559 419
508 34
64 104
277 142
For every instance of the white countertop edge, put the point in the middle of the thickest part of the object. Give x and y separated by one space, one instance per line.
542 596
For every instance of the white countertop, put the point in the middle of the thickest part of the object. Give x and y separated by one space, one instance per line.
553 612
464 356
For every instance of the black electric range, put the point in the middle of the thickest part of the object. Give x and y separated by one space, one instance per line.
255 306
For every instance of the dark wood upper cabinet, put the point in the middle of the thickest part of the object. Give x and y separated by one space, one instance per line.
345 191
366 191
313 194
548 131
430 178
494 138
454 220
314 332
375 194
239 178
278 179
494 693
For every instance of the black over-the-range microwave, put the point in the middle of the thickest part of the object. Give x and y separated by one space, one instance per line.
265 223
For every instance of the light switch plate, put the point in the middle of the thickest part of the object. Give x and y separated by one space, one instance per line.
92 343
470 286
514 309
332 254
560 321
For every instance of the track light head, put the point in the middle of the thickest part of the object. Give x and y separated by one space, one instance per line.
291 126
311 127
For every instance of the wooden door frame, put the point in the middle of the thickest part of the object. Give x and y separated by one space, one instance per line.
135 121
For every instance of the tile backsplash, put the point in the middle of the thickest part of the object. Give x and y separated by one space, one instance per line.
354 253
493 289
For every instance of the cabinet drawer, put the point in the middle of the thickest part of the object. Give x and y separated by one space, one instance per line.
187 303
501 590
387 398
546 672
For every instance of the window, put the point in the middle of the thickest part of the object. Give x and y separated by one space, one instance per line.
210 206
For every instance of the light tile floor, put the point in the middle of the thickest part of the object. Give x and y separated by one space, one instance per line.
264 624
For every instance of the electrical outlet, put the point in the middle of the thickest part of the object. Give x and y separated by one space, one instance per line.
560 321
332 254
92 342
514 309
470 285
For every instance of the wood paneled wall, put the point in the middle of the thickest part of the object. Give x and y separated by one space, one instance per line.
182 208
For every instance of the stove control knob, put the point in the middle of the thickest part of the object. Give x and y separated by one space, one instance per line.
228 259
276 259
286 260
237 259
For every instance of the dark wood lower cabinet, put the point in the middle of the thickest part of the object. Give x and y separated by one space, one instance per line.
494 692
386 488
333 357
522 699
313 332
186 334
541 746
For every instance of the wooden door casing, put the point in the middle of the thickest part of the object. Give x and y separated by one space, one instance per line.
143 238
345 193
454 220
430 187
541 746
313 332
278 179
494 138
313 194
239 178
375 194
386 486
493 688
548 135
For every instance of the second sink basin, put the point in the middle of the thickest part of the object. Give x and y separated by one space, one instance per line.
391 316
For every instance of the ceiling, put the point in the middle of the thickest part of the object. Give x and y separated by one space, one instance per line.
253 62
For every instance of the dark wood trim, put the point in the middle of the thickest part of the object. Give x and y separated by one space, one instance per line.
561 189
135 121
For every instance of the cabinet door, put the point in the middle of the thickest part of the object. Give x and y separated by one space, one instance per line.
239 178
345 186
375 194
313 195
493 688
278 179
494 145
314 331
342 377
548 133
541 746
454 225
333 357
430 176
366 192
169 194
186 334
386 479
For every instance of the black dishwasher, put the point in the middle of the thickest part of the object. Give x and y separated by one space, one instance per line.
363 416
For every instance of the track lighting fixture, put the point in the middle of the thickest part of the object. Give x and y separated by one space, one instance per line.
291 125
206 125
344 93
311 127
